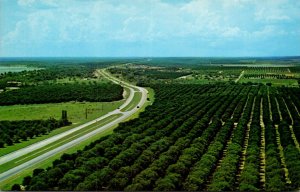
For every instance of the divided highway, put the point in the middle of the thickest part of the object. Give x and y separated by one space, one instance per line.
123 115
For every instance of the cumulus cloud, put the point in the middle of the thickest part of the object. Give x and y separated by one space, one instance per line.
143 20
97 21
232 32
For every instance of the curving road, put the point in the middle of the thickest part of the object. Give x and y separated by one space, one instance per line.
40 144
124 115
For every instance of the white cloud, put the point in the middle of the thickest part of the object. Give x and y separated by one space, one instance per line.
265 14
143 20
276 10
232 32
26 2
32 3
269 31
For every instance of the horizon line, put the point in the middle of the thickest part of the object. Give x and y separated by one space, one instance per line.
148 56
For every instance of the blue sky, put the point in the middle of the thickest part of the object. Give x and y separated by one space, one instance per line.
118 28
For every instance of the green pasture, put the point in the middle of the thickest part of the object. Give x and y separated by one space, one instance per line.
76 111
5 69
76 114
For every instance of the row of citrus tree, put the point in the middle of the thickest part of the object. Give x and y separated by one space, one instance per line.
191 138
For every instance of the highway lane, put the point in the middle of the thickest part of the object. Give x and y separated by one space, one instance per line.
40 144
44 156
18 169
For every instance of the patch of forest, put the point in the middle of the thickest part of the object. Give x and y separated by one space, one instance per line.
16 131
27 78
191 138
56 93
148 75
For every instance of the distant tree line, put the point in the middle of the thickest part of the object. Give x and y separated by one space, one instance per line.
62 93
149 75
267 76
49 73
49 70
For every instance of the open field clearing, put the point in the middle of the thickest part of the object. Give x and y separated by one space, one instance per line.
5 69
77 111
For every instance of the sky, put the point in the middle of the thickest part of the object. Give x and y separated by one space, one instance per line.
149 28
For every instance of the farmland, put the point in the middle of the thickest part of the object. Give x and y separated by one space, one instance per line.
215 124
223 137
276 72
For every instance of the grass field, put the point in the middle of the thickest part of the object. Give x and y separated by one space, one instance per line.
76 111
5 69
76 114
